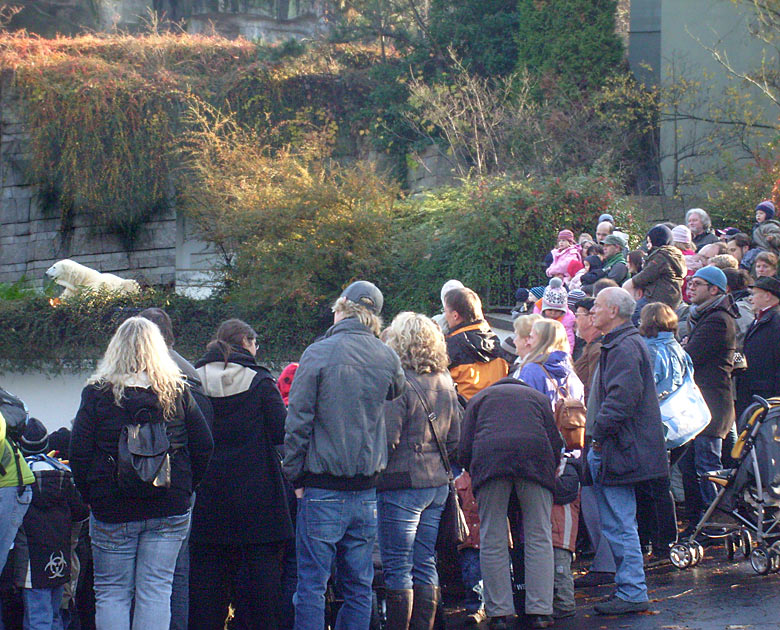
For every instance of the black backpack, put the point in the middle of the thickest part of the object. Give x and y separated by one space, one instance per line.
15 414
144 455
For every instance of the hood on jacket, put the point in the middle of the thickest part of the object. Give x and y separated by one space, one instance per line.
472 343
674 257
144 402
557 364
220 380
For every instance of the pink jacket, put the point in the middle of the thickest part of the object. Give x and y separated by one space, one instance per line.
561 260
568 323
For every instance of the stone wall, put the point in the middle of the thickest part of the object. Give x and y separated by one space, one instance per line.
166 252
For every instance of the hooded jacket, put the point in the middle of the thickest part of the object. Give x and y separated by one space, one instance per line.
509 431
93 453
627 422
712 340
42 557
335 435
475 358
561 260
561 373
662 276
242 499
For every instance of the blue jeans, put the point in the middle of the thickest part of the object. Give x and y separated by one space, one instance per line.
617 510
134 562
408 527
42 608
12 510
701 457
471 575
180 588
340 525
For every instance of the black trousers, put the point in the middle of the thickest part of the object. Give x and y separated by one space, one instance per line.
248 577
656 515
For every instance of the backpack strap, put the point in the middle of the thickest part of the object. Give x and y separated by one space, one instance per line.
431 419
558 386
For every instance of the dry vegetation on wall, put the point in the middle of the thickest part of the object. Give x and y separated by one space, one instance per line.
105 112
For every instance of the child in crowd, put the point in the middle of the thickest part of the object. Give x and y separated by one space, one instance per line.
766 231
555 306
635 261
565 252
42 559
766 265
589 273
468 553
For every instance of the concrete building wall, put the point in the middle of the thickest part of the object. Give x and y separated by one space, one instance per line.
669 39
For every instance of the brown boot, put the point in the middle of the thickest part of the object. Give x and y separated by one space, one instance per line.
399 609
426 601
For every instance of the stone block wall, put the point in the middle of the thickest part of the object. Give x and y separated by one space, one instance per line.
30 239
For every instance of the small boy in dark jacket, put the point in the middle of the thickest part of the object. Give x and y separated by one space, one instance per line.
43 543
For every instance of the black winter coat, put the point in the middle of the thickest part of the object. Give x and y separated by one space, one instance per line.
762 352
242 499
42 550
628 422
712 341
413 457
509 431
93 454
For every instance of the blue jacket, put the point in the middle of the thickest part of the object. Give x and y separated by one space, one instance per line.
559 368
671 363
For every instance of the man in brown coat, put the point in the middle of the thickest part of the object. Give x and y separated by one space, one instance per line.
587 362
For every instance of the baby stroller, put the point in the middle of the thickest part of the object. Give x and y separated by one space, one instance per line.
749 493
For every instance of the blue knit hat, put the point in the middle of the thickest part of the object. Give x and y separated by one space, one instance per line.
537 292
768 207
606 217
713 276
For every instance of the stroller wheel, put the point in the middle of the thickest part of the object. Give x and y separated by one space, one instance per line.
774 557
747 542
759 560
697 553
681 556
732 545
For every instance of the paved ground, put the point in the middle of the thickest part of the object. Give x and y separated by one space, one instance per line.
715 595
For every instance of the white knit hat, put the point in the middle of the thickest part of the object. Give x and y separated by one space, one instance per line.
555 296
681 234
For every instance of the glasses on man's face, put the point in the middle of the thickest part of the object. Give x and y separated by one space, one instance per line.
697 283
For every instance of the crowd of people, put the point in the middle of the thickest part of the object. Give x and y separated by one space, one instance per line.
214 492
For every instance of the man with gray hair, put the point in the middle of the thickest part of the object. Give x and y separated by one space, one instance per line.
335 447
700 225
627 442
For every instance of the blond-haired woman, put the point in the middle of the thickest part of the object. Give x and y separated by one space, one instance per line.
136 535
412 490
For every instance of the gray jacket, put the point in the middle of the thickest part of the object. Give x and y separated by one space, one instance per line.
414 458
335 433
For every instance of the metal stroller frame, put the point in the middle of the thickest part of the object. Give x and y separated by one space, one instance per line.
757 539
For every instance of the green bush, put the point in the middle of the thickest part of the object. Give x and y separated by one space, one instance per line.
73 335
493 235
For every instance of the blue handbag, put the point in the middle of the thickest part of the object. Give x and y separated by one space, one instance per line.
684 413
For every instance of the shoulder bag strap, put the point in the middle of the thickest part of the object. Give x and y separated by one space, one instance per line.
558 386
431 418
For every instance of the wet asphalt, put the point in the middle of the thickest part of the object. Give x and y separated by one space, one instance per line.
717 594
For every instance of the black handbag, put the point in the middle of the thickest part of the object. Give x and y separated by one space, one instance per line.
453 529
